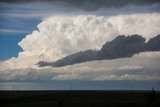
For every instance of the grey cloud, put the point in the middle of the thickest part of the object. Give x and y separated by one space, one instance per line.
120 47
79 57
90 5
96 2
129 69
153 44
135 68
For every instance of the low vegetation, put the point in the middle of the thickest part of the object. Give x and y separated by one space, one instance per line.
79 98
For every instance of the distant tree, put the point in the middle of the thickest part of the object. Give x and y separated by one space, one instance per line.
151 96
60 102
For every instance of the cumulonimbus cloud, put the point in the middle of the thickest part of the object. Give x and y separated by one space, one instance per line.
61 35
69 30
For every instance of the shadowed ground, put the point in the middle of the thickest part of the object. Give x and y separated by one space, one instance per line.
79 98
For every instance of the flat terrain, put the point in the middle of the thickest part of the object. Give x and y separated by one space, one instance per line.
79 99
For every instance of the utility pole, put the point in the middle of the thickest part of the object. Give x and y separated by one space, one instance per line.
132 85
13 87
71 87
132 88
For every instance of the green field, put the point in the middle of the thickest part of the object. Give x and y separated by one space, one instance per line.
79 99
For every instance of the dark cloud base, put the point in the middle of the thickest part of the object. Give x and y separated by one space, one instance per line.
120 47
90 4
102 2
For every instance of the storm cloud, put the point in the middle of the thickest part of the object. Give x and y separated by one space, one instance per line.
95 3
120 47
86 5
81 34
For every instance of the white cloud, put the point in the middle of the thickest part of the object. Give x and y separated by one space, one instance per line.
119 69
58 36
61 35
73 76
126 77
130 68
13 31
148 55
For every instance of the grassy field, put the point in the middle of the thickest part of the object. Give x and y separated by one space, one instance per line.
79 99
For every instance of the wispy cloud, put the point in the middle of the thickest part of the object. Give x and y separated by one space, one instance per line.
13 31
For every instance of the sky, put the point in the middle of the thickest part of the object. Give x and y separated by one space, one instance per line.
62 31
